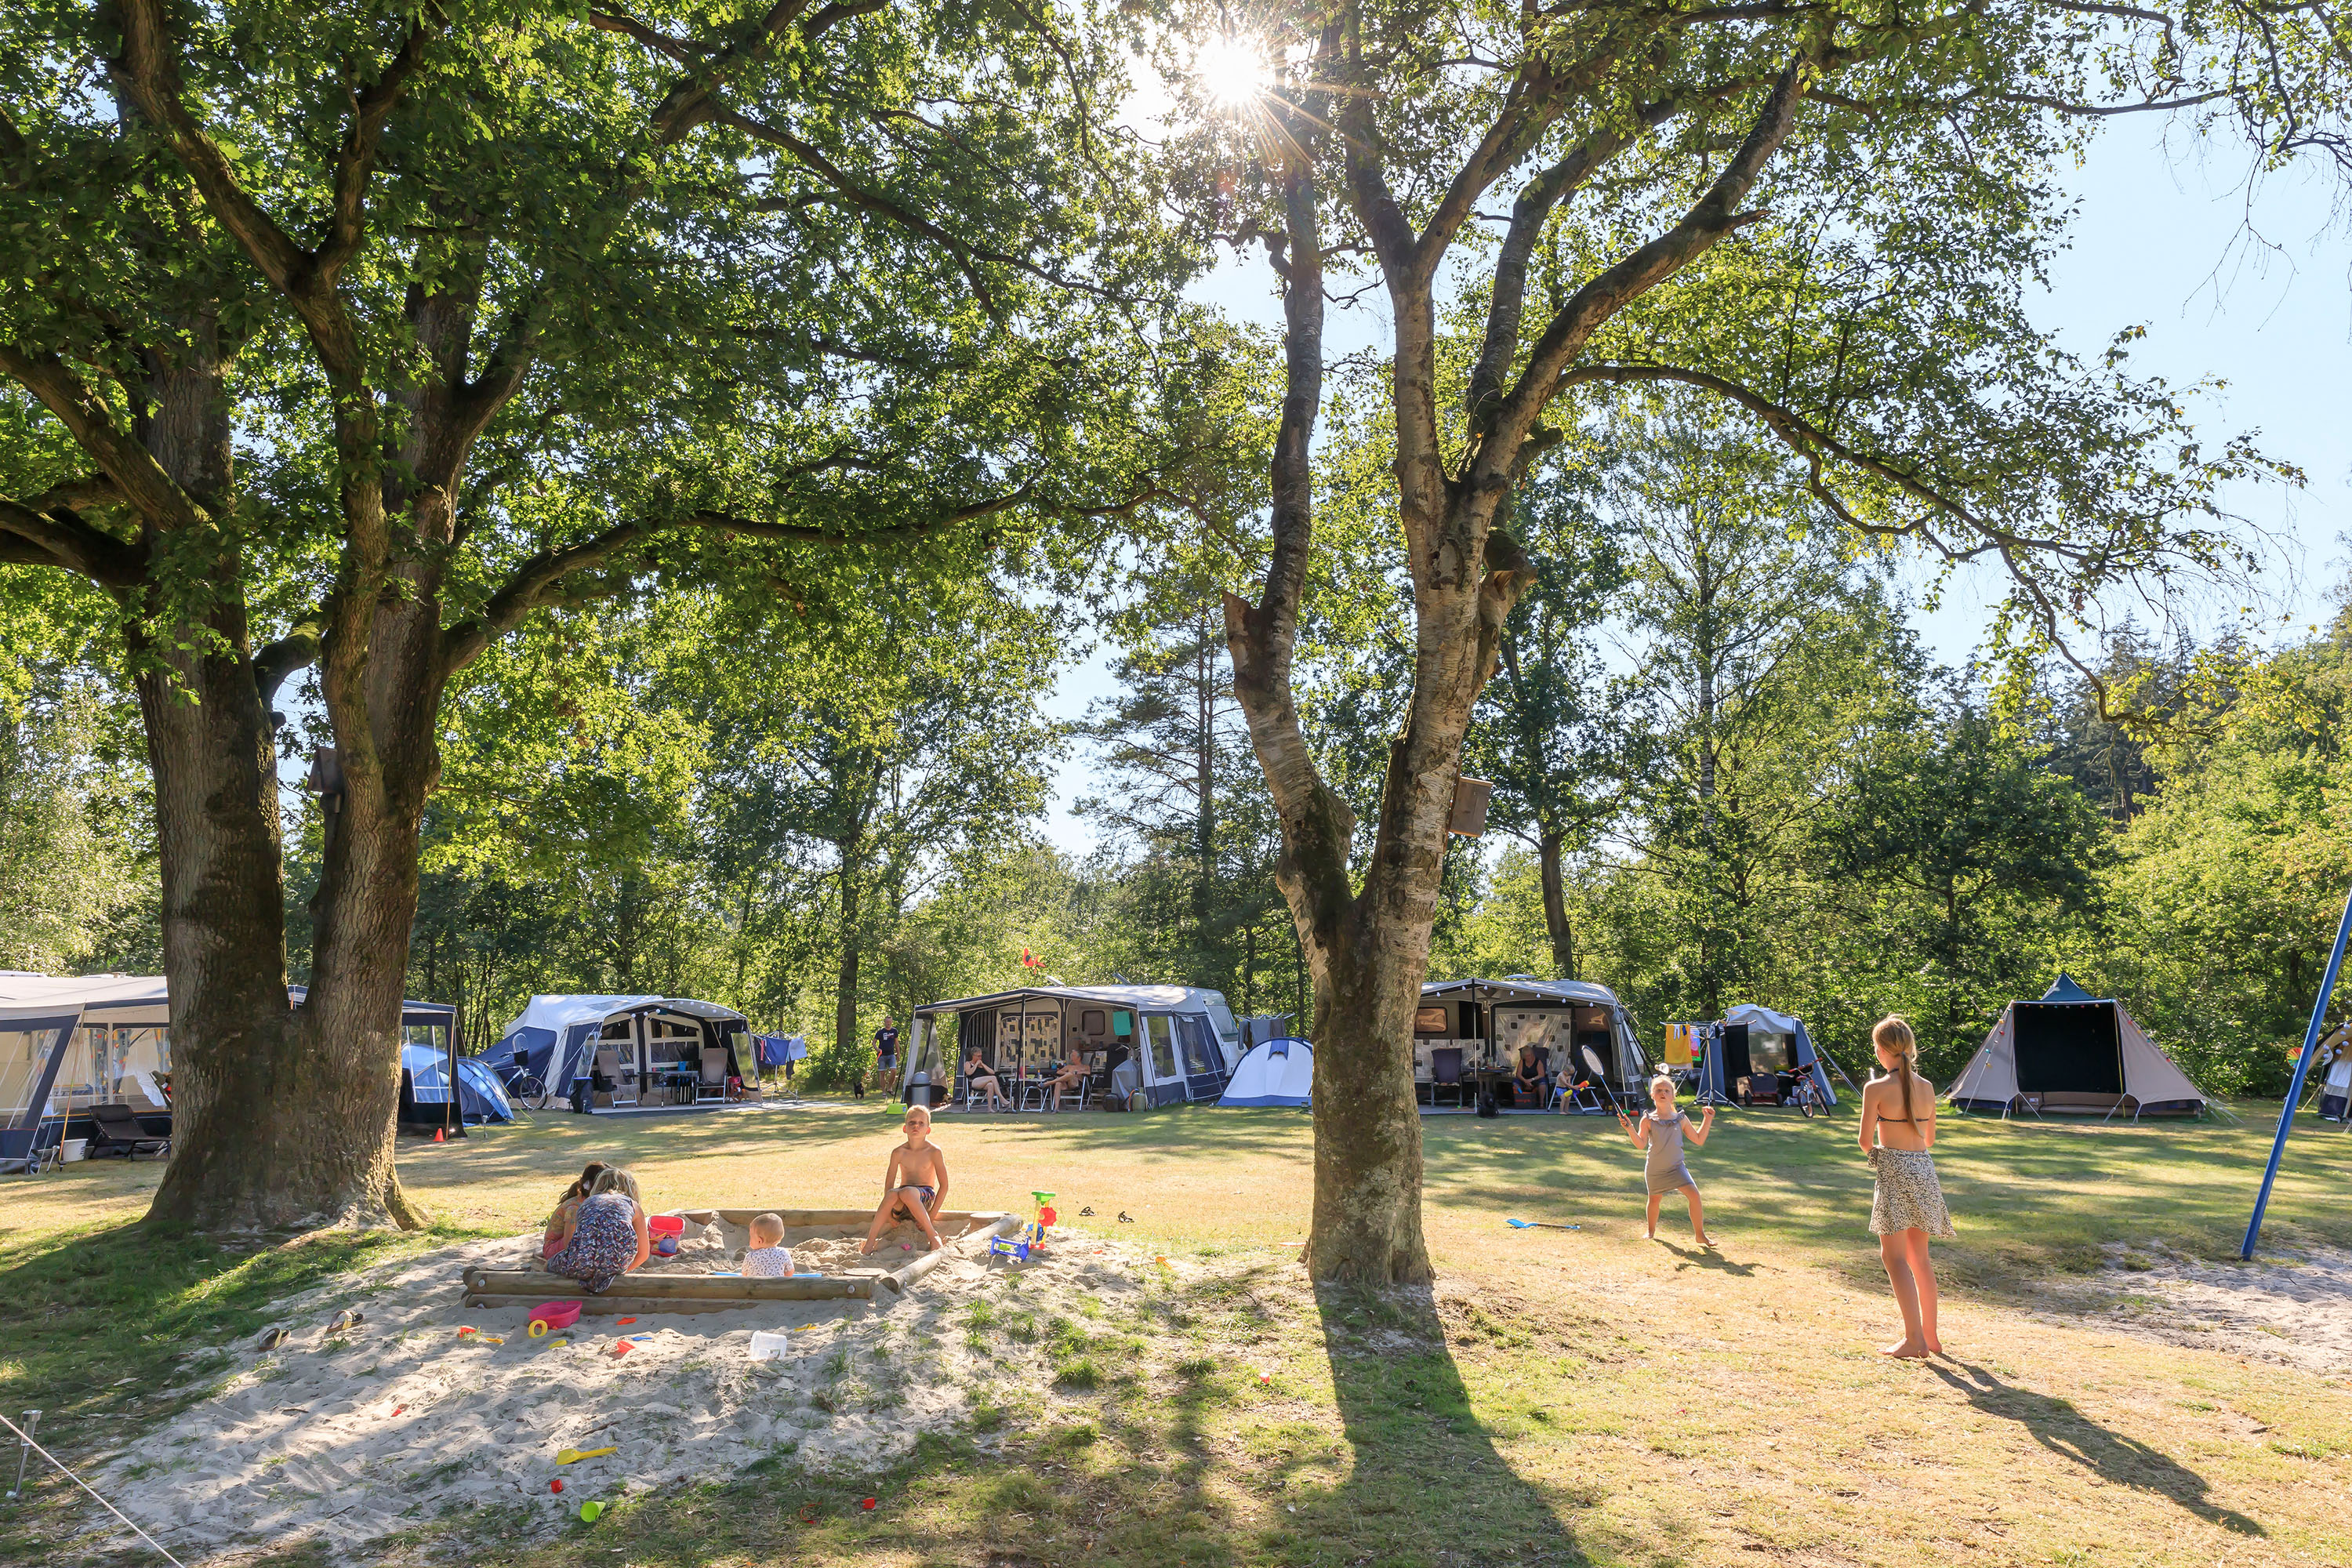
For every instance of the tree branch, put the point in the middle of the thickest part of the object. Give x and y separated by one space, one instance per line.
52 538
136 476
1713 218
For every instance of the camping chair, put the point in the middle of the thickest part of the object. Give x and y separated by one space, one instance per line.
713 1084
119 1132
1446 1070
1029 1092
1764 1088
1084 1094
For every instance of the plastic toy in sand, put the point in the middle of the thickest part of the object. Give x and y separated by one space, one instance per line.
574 1456
1031 1236
665 1228
548 1317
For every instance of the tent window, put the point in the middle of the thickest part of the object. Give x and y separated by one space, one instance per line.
1193 1035
1163 1048
1769 1053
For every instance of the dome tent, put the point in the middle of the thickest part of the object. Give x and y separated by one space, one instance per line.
2072 1052
1727 1065
1276 1072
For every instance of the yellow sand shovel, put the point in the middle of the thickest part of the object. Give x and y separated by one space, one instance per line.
569 1455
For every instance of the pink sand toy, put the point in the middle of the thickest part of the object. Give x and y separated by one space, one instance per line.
548 1317
665 1228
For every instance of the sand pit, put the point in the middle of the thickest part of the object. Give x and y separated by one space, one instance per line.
344 1438
2290 1308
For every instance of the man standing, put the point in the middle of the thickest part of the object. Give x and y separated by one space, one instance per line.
885 1052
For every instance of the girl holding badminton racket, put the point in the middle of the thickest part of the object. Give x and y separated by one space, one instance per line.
1659 1135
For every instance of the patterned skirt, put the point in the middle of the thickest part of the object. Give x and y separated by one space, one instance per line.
603 1243
1908 1196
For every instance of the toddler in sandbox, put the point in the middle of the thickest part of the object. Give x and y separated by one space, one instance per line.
768 1258
916 1184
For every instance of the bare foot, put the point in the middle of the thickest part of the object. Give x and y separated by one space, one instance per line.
1936 1347
1704 1240
1903 1350
1649 1236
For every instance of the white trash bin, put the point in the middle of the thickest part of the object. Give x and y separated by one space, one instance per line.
73 1149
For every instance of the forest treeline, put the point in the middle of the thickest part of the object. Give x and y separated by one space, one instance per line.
1725 770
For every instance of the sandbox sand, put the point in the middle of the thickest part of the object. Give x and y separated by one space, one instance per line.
2293 1307
343 1437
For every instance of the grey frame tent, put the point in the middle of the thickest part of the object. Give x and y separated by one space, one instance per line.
1173 1044
1486 1020
2073 1053
1763 1020
562 1041
35 1039
120 1053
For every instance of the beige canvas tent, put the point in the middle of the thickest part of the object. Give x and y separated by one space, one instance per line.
2074 1054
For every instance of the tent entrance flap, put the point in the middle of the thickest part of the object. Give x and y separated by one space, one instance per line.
2068 1048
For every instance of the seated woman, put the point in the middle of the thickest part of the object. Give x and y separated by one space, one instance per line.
608 1236
1531 1074
1067 1083
559 1224
981 1078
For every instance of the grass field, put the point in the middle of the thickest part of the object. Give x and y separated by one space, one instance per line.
1562 1397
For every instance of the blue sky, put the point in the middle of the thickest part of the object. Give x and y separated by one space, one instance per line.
2252 289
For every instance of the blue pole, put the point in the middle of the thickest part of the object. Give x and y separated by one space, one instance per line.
2295 1089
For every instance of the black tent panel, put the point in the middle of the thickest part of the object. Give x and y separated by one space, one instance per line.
2068 1048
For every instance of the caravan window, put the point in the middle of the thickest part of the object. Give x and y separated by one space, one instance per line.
1163 1048
1094 1022
616 1030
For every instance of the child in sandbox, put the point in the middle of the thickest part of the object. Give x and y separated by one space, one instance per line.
768 1258
915 1185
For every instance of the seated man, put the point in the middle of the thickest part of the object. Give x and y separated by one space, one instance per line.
1065 1083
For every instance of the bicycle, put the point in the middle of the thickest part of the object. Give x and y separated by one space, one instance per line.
1806 1096
525 1089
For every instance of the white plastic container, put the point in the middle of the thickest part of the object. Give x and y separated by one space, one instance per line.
73 1149
769 1344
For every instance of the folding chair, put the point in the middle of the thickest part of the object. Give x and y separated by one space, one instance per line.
1444 1072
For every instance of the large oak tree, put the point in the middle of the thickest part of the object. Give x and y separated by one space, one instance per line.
1823 216
342 337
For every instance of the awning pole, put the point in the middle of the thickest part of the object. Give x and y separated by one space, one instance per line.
2294 1089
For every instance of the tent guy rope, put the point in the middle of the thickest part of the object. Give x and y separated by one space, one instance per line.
27 1439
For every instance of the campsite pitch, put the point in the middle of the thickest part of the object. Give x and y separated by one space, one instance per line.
2117 1393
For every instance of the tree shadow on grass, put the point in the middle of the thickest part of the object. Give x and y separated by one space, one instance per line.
1424 1483
2065 1431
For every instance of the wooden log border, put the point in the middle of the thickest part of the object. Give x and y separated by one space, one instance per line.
715 1293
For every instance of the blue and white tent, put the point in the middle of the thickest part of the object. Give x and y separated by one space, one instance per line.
425 1088
1274 1072
1763 1051
564 1041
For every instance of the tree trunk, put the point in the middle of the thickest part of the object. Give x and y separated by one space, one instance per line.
1368 1158
1555 903
844 996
